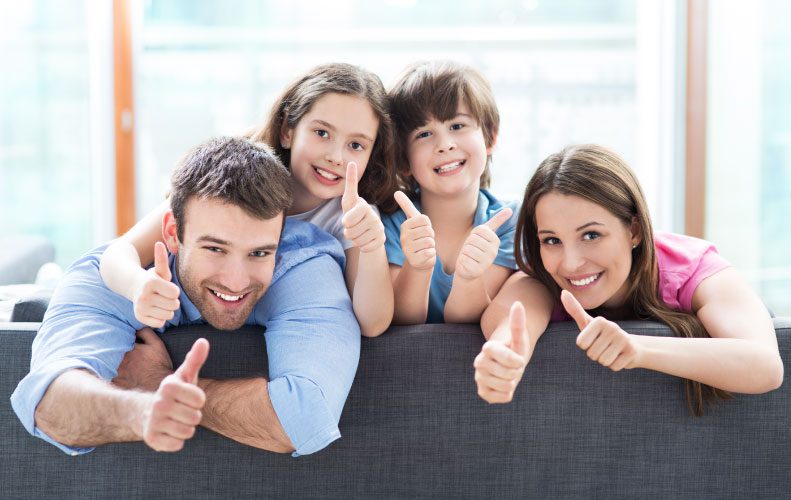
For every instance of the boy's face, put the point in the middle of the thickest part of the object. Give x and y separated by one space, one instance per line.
226 261
448 158
336 130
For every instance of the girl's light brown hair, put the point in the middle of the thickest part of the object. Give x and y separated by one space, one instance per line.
434 89
598 175
378 183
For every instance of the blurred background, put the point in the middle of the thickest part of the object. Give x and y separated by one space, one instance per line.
98 99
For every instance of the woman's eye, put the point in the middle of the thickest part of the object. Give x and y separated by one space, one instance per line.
322 133
591 235
357 146
551 240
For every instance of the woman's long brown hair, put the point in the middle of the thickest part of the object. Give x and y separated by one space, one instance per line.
598 175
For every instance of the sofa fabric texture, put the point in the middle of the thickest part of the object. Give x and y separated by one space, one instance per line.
413 426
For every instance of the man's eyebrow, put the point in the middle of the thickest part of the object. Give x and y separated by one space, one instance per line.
331 127
217 241
588 224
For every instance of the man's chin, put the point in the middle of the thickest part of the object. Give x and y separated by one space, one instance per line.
226 324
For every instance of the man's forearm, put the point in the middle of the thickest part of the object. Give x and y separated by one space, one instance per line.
240 409
81 410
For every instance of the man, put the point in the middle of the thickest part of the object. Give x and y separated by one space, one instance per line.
228 202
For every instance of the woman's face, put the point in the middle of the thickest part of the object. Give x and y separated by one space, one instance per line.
586 249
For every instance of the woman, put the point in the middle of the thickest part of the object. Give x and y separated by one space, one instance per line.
586 251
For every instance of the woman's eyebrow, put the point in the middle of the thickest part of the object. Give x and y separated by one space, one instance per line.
592 223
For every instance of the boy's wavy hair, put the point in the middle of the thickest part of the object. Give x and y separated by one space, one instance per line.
600 176
378 183
434 89
233 170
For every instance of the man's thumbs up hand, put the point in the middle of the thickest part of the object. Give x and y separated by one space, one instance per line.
155 297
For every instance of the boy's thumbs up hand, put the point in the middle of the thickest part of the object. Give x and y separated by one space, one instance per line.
155 297
499 366
361 224
417 235
481 247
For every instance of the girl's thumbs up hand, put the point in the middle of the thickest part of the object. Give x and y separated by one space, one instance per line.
155 297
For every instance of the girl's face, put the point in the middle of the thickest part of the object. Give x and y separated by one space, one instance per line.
448 158
336 130
586 249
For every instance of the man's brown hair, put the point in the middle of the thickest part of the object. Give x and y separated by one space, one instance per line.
234 170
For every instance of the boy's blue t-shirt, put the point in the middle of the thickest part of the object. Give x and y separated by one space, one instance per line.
441 281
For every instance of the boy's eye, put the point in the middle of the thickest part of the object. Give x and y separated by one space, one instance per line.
591 235
357 146
322 133
457 126
550 240
422 135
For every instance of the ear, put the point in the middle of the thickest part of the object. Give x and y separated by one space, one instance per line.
636 230
170 232
286 133
491 146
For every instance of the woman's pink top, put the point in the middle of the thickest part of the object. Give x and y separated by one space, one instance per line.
683 263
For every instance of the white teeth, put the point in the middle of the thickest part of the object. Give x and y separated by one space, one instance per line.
449 167
326 174
229 298
586 281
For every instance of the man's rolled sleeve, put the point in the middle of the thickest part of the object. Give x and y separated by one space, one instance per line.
313 344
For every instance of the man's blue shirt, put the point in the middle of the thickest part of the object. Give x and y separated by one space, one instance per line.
312 336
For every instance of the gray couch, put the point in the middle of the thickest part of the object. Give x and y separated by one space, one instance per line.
413 426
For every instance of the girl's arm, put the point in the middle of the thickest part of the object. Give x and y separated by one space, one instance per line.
475 279
742 355
500 365
121 268
368 281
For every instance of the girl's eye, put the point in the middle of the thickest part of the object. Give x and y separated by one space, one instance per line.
422 135
357 146
550 240
457 126
591 235
322 133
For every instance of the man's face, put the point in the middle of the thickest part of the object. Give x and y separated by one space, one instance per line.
226 260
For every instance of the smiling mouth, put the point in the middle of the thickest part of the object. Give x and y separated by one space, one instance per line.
326 174
586 281
450 167
228 298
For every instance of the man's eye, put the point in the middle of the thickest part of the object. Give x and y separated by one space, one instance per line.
214 249
260 253
551 240
591 235
322 133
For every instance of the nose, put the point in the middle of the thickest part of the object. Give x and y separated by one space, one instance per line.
235 277
573 259
334 154
444 143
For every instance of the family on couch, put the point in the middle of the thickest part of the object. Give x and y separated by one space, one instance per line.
306 240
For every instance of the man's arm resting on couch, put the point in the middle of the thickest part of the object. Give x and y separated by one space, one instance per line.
240 409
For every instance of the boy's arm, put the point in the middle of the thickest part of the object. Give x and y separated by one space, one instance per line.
469 298
411 289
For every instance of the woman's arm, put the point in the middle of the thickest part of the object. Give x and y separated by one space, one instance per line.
742 355
512 334
368 281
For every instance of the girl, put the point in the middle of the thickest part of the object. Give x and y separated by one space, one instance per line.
586 251
442 244
331 127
